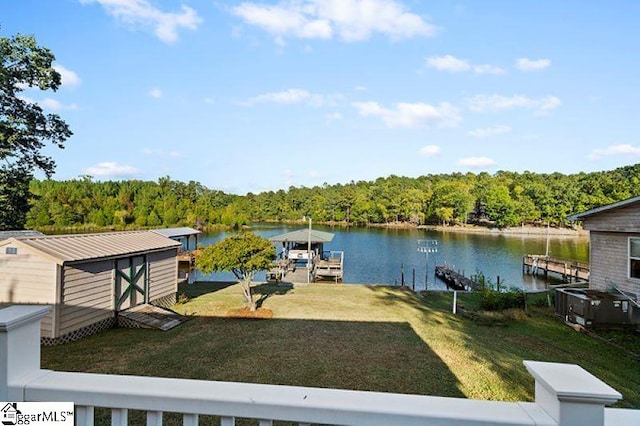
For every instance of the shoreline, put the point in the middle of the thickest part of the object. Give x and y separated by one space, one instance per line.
475 229
465 229
520 230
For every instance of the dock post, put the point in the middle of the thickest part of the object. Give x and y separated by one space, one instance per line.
455 301
413 279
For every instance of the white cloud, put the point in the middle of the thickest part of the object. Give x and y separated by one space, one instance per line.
452 64
547 104
289 96
489 131
430 151
526 64
492 103
52 104
155 93
334 116
295 96
411 114
360 88
476 162
350 20
209 101
111 169
448 63
487 69
49 103
69 78
142 13
614 150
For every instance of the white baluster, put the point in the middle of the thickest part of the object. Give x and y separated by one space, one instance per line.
154 418
84 416
228 421
189 420
119 417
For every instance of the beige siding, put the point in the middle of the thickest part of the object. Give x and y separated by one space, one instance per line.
46 325
625 219
87 295
163 274
26 277
610 262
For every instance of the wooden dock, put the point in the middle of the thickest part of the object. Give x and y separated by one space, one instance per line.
455 280
568 270
329 268
187 256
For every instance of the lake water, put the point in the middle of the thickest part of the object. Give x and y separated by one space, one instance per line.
380 255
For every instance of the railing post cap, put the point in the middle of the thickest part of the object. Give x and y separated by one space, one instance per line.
570 382
17 315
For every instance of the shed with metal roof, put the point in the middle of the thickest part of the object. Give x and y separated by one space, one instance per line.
88 278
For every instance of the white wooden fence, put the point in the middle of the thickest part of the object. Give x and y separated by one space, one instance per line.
565 394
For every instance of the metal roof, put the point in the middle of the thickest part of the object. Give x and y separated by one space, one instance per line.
302 236
177 232
4 235
79 247
602 209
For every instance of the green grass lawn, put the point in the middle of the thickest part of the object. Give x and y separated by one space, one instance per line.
352 337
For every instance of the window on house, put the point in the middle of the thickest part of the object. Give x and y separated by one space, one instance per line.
634 257
11 250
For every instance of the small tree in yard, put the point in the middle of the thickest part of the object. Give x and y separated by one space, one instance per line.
244 254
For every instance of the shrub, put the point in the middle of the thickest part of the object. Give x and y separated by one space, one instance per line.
493 299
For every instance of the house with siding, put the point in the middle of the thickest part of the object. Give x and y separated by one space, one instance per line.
614 246
88 278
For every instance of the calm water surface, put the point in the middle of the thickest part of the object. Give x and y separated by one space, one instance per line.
380 256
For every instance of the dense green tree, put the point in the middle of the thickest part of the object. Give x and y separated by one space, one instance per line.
24 127
244 255
500 207
14 198
504 199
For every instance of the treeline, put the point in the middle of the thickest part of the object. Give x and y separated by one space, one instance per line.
82 203
502 199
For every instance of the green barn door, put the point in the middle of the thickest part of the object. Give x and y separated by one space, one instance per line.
130 282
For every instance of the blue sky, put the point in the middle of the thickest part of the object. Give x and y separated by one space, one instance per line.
248 96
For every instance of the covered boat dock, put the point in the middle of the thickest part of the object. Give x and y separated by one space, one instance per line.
184 235
301 257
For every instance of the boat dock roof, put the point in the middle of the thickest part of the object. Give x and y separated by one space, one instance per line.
302 236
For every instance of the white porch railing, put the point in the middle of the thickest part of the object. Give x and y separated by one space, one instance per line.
565 394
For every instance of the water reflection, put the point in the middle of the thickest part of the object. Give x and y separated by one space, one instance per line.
380 255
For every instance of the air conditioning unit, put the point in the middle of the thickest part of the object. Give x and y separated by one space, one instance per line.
593 308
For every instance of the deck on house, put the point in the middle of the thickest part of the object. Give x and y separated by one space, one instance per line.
565 394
